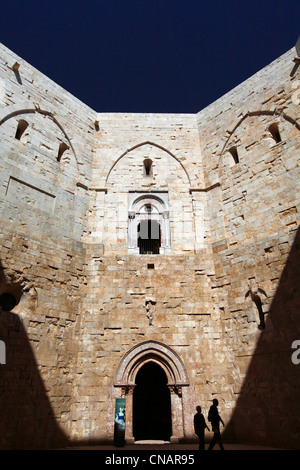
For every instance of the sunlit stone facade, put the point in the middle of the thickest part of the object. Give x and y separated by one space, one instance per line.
129 239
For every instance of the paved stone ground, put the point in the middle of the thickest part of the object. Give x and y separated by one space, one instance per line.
160 446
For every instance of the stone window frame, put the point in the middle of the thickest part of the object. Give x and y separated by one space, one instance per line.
21 128
159 214
233 156
275 133
148 168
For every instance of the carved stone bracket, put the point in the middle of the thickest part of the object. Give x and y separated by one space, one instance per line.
175 389
127 389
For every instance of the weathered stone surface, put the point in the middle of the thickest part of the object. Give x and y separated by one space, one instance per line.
217 308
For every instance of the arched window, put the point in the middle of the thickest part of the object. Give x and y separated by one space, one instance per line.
62 148
233 156
22 126
275 132
148 225
148 168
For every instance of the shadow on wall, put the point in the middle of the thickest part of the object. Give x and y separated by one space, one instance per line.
26 417
268 408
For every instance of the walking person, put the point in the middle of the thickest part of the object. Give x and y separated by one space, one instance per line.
215 419
200 426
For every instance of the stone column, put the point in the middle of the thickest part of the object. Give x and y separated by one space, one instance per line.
131 216
128 392
167 229
176 410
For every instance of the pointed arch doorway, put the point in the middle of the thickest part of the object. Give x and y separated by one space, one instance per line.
151 407
154 359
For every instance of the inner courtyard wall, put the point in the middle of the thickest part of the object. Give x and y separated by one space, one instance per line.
84 300
245 225
134 298
256 249
45 171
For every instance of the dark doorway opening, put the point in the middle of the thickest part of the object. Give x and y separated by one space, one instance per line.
149 237
151 404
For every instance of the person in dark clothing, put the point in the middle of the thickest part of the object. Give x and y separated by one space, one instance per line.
215 419
200 426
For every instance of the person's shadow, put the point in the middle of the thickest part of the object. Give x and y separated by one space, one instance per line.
26 416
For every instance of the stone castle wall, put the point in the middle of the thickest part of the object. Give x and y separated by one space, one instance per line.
91 311
256 246
43 214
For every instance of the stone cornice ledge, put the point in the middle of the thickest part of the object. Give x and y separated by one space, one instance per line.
79 184
191 190
204 190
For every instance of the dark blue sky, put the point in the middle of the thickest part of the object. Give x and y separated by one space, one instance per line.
174 56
